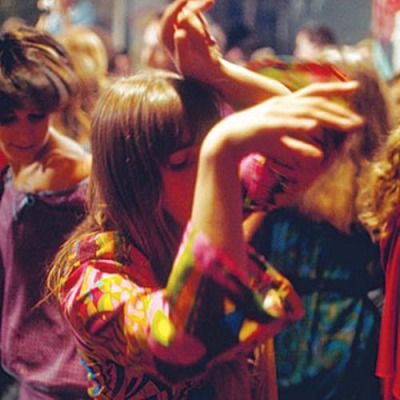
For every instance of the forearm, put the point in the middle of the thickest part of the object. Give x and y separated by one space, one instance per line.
241 87
217 206
252 223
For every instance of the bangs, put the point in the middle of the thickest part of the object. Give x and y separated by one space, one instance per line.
178 116
139 121
39 73
9 103
45 90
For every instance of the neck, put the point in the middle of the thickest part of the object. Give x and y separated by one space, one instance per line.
41 154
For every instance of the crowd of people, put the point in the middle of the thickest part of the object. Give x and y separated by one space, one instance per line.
206 228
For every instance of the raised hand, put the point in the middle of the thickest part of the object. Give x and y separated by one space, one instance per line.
292 128
185 34
286 129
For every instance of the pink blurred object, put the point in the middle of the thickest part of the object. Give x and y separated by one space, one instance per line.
258 180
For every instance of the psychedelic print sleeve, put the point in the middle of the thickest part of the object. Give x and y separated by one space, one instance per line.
209 311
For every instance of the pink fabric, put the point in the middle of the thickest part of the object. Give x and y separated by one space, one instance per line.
36 344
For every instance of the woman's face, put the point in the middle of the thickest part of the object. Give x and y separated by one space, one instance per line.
179 178
23 133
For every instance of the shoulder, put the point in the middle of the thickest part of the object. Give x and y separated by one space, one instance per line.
66 165
111 250
65 171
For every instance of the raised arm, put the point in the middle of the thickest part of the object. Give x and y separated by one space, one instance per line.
186 36
286 129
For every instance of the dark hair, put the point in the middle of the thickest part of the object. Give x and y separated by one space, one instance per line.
319 34
34 70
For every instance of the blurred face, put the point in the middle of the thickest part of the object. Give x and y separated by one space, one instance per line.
305 49
179 178
23 133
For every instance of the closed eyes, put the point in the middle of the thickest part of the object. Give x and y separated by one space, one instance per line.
9 119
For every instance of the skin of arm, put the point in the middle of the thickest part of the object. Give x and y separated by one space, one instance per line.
280 128
252 223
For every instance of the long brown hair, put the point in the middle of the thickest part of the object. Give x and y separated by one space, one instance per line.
137 123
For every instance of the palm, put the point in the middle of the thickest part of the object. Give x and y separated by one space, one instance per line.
185 34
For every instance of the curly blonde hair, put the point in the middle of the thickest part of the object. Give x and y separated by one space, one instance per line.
380 198
89 59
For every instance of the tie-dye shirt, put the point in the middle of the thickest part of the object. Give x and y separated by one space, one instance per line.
330 354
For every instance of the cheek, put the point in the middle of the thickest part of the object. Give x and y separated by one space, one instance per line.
4 138
41 129
178 194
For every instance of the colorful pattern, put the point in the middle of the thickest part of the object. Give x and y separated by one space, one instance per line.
297 74
139 341
331 352
259 182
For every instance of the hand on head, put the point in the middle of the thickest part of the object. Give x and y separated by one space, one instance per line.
292 131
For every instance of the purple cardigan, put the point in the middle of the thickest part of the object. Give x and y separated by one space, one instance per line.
36 344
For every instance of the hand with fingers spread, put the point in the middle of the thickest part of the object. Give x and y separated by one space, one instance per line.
290 128
285 129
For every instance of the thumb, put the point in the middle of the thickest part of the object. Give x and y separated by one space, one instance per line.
168 22
302 148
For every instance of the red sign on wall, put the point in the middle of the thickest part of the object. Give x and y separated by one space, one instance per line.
383 18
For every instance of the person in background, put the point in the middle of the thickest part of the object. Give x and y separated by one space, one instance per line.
311 40
241 42
380 214
12 23
89 59
153 53
57 15
157 283
394 88
42 198
320 245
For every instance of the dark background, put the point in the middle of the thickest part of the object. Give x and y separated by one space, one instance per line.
275 22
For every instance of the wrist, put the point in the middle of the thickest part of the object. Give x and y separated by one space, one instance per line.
220 74
220 146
